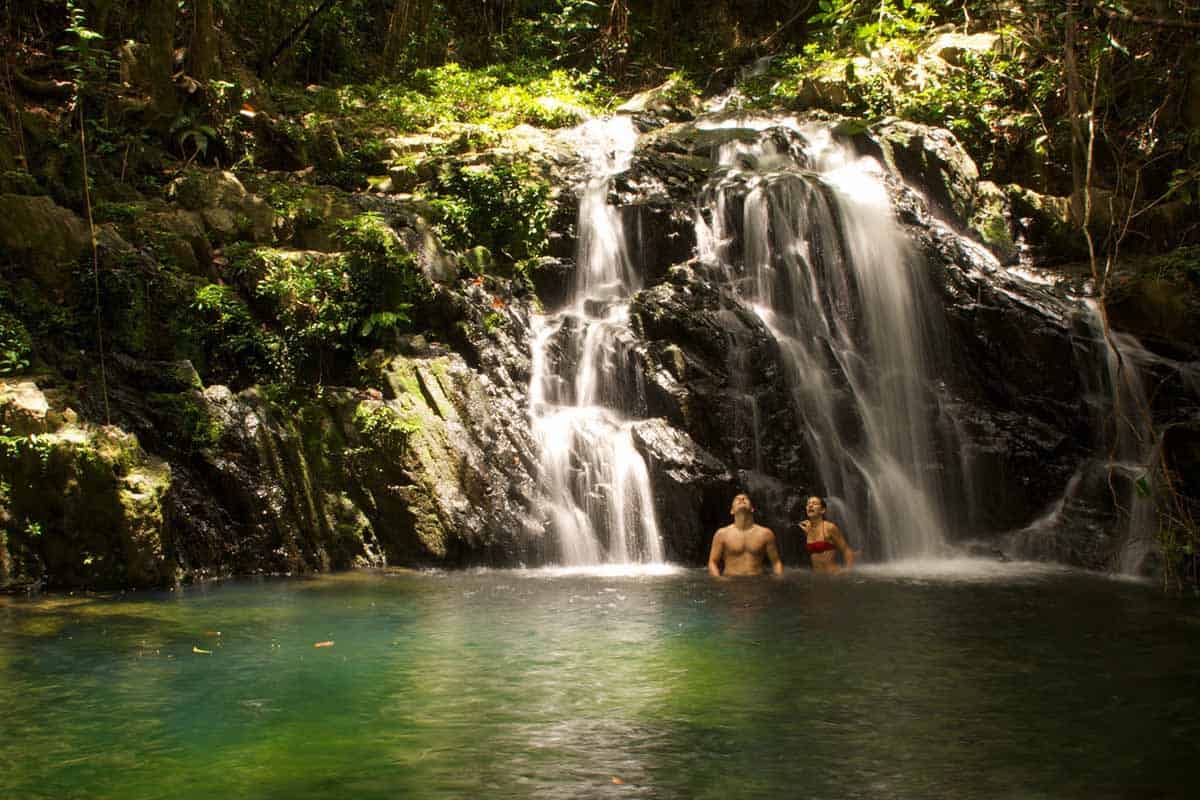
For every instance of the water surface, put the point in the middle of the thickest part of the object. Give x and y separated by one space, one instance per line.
934 679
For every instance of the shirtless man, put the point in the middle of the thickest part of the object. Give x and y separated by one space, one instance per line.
742 545
819 529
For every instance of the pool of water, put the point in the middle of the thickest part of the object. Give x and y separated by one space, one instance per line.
918 680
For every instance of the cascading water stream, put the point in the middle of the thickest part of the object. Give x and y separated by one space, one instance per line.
584 390
1122 471
805 231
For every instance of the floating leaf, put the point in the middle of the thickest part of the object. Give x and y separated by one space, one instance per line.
200 652
323 644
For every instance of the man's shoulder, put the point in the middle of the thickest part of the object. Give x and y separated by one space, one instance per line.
763 530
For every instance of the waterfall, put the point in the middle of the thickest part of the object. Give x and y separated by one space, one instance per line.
585 387
1122 472
804 231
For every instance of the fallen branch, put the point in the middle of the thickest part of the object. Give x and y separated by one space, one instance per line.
295 35
807 7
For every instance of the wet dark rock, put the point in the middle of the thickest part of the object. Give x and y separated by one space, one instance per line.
715 372
692 489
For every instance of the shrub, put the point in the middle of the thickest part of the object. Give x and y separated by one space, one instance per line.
16 346
501 207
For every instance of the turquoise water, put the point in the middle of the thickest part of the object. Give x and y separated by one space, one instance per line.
955 680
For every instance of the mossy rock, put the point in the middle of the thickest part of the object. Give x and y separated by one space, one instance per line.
991 221
86 509
227 209
23 407
1047 224
44 235
14 181
933 161
307 216
1158 300
676 99
176 236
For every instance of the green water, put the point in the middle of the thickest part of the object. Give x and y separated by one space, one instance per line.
961 681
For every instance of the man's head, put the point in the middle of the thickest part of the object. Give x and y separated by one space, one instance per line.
815 507
741 502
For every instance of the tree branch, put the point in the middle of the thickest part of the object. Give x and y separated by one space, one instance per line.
1156 22
295 35
807 7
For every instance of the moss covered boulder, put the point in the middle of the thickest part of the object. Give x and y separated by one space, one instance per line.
933 161
83 503
38 232
1047 224
991 221
229 211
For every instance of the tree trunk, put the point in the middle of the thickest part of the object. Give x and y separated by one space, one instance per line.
205 54
158 17
1075 96
98 15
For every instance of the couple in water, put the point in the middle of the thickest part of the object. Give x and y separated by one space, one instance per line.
740 547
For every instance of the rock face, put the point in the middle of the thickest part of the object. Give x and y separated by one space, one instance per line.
930 159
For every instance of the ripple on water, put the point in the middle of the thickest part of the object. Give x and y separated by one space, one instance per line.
973 570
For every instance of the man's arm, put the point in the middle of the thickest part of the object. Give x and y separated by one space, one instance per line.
773 553
714 555
840 541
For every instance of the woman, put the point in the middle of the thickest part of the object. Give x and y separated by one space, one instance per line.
823 538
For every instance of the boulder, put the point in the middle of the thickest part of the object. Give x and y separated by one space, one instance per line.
44 235
674 99
833 85
176 235
1046 225
992 222
23 407
929 159
952 47
85 509
227 209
